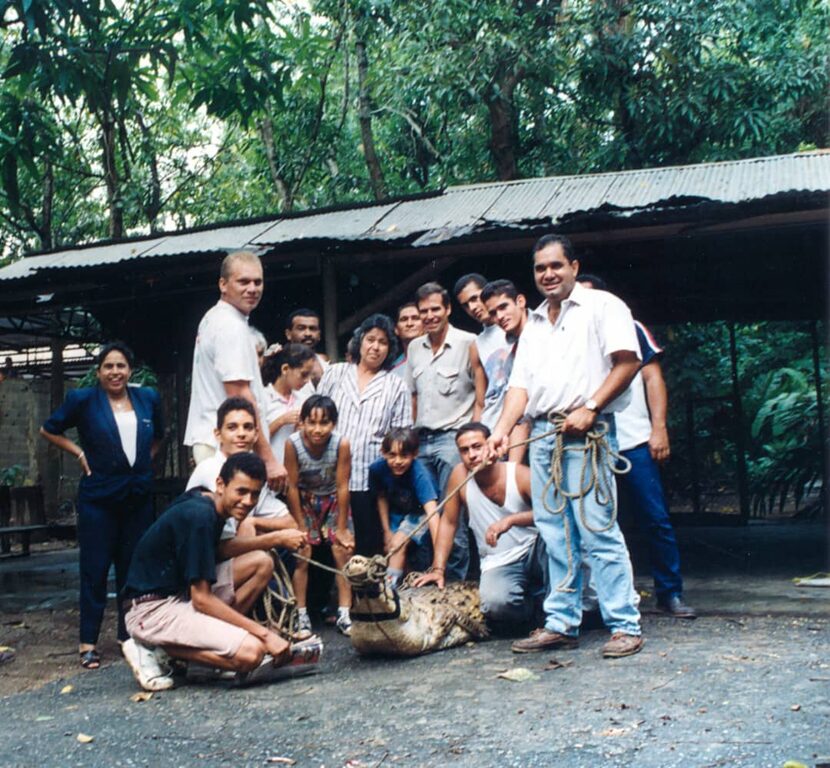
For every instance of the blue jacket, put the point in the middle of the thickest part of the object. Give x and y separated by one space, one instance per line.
112 477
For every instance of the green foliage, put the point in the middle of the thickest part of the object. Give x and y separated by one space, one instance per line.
13 476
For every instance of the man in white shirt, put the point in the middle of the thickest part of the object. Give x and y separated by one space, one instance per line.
576 356
513 561
225 362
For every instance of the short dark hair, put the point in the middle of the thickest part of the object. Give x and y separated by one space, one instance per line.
499 288
381 323
114 346
427 289
407 437
464 280
403 306
292 355
301 312
247 463
472 426
594 280
546 240
233 404
319 403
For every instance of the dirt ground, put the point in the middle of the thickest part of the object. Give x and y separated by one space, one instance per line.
46 645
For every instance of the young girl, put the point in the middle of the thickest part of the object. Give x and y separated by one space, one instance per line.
318 461
405 492
284 374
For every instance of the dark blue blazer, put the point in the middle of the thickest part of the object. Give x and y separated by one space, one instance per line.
112 477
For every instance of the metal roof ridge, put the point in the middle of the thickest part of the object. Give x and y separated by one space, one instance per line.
635 171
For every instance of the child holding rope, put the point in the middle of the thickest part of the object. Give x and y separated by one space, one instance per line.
318 462
405 493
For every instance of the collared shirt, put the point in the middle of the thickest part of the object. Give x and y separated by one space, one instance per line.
443 382
276 406
560 365
365 417
225 351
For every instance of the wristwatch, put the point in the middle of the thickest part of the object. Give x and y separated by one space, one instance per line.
591 404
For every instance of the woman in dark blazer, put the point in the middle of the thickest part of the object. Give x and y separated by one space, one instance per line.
119 430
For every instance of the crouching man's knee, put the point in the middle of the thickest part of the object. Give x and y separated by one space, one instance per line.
249 656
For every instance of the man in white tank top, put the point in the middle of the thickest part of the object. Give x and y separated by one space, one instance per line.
498 499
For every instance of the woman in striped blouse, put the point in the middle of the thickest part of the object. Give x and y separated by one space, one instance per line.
370 401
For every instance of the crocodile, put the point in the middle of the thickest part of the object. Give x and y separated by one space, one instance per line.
409 620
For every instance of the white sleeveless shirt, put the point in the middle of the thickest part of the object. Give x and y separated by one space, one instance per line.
512 545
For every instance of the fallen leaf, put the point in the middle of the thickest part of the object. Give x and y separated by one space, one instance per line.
43 718
281 760
142 696
67 689
793 764
613 732
518 675
556 664
4 648
795 707
83 738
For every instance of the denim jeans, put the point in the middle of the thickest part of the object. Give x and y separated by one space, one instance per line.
513 593
605 550
439 453
644 489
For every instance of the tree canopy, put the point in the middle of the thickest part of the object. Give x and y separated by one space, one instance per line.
128 117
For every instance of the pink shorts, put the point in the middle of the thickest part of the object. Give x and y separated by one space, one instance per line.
174 621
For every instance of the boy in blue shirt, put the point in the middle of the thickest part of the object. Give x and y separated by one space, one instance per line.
405 492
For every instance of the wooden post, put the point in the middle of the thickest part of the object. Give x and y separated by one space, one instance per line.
740 443
182 405
330 305
54 463
822 429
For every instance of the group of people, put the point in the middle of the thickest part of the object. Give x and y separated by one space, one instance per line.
293 451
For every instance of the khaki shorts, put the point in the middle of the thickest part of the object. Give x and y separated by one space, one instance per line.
174 621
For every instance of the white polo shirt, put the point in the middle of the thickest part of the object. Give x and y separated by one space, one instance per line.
560 365
224 351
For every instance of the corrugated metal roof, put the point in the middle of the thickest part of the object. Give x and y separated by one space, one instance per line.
462 210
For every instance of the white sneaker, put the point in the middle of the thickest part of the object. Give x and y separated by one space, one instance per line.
145 666
259 674
344 624
302 626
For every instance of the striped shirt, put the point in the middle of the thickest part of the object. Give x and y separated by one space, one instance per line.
365 417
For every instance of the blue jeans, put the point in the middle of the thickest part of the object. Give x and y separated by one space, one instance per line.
605 550
439 453
645 488
513 593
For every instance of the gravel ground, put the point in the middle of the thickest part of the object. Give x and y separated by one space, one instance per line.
750 691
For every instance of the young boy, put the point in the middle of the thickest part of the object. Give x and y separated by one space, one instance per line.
184 602
405 492
269 525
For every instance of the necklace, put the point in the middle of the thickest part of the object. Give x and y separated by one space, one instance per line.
122 404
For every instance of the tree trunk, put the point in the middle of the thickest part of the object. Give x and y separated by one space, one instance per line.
114 202
283 189
503 134
365 117
46 240
152 202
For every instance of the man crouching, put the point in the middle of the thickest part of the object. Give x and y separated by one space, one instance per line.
182 602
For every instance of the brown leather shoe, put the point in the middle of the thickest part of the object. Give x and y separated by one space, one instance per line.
542 640
622 644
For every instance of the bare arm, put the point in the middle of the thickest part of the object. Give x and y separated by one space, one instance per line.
504 524
658 400
625 365
414 408
290 538
343 535
519 433
446 531
515 402
276 471
383 514
480 379
292 494
65 444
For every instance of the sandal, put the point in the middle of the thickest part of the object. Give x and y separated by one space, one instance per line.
90 659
